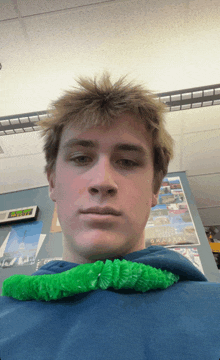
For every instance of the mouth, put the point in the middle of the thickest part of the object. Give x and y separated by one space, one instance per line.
106 211
101 217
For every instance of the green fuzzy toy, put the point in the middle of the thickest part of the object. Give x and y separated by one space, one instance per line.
119 274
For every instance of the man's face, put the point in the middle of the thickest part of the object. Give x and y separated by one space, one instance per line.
103 176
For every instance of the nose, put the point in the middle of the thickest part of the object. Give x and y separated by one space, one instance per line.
103 178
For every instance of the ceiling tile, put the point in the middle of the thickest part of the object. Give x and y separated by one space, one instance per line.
21 144
201 152
210 216
7 10
175 164
202 119
30 7
174 122
26 172
205 189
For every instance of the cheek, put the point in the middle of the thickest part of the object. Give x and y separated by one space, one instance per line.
73 194
82 190
138 198
68 184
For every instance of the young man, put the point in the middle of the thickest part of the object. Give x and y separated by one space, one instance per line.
106 147
107 152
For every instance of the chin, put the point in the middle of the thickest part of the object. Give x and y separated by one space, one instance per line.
104 257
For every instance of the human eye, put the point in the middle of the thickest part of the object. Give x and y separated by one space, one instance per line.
129 163
77 159
84 160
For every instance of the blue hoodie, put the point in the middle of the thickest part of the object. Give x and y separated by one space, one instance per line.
180 322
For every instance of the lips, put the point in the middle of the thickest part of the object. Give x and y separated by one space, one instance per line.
102 211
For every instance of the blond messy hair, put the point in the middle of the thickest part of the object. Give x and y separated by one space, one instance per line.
101 103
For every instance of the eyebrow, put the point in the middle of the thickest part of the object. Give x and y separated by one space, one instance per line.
94 144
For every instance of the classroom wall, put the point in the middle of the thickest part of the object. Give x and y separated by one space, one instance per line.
51 247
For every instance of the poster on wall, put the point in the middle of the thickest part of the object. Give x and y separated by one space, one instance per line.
55 225
170 223
55 228
192 255
22 245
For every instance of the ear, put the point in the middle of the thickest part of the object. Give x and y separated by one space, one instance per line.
154 199
51 180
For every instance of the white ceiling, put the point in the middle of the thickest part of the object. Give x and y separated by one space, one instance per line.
168 45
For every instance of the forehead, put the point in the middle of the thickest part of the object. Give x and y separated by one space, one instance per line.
125 130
